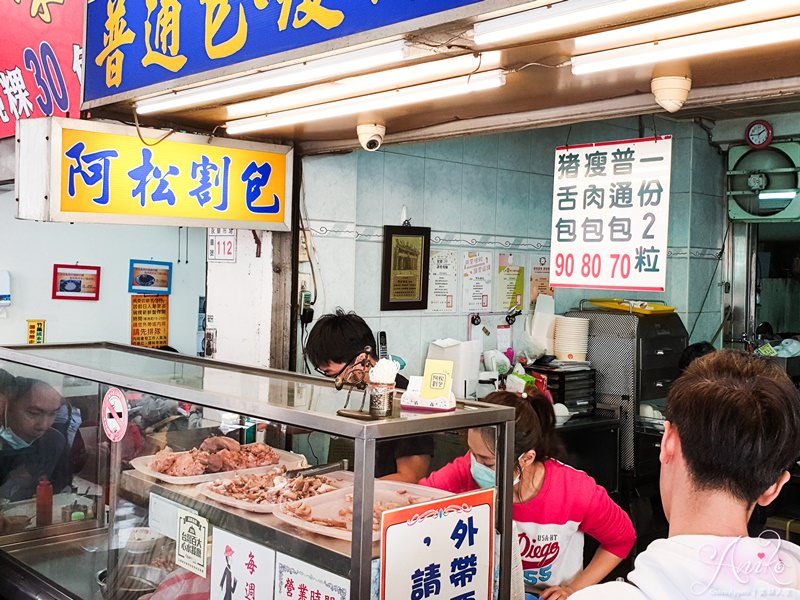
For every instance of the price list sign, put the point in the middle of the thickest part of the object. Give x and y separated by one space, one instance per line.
611 215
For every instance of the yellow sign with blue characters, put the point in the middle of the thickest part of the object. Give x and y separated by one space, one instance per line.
111 173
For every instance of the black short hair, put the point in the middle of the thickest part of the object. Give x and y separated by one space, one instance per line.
338 337
694 351
738 418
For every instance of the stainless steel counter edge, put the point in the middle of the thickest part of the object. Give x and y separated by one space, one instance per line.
469 415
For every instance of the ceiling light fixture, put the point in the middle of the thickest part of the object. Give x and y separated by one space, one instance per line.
382 100
544 20
320 69
712 42
366 84
719 17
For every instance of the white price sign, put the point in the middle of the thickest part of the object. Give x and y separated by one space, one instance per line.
611 215
439 549
221 245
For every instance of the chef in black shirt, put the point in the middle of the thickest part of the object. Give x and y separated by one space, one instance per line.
335 346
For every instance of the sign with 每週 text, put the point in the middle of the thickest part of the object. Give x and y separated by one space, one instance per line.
611 215
439 549
241 569
140 44
103 173
41 60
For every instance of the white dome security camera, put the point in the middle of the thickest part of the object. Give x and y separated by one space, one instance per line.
370 136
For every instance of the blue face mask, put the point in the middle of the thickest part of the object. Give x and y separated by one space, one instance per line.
484 476
12 439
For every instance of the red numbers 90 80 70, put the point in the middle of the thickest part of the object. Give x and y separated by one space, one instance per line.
591 265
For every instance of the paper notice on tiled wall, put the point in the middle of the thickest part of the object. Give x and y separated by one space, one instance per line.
476 271
443 281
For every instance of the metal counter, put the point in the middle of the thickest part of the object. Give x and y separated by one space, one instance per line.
278 397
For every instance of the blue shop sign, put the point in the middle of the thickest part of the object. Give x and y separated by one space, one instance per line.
133 44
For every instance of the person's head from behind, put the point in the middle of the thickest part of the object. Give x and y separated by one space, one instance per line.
733 427
534 436
31 411
692 352
337 340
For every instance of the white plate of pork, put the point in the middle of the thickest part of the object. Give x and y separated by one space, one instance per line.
217 457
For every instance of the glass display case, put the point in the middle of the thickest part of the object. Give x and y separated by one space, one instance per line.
111 454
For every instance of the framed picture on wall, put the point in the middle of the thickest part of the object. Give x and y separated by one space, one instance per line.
76 282
149 277
406 257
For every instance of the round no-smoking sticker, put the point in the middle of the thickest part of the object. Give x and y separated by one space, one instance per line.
115 414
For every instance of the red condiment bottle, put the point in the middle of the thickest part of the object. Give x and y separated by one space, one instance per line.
44 502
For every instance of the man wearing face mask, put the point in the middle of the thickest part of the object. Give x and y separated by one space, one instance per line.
30 448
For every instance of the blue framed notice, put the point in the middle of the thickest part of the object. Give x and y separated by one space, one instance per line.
149 277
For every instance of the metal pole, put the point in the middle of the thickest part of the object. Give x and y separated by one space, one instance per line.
114 474
363 503
505 459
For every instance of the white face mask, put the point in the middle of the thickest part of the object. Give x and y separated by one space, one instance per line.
12 439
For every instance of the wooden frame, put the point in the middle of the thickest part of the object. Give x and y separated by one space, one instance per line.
149 277
406 261
76 282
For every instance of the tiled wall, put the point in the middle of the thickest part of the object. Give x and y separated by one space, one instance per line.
494 193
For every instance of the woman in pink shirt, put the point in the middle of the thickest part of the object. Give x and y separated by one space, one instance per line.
554 504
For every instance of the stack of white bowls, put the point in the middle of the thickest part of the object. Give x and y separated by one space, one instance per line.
571 338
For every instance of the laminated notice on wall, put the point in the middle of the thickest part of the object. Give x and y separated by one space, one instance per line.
149 320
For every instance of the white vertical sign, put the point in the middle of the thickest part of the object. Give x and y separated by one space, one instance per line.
443 281
240 568
439 549
221 244
476 287
191 543
611 215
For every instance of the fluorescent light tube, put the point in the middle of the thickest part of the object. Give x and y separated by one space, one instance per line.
542 20
729 15
409 95
712 42
777 195
320 69
366 84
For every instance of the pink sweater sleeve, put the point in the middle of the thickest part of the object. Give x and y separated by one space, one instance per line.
606 522
454 477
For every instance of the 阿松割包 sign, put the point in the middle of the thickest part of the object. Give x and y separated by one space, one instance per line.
41 60
101 173
134 44
611 215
